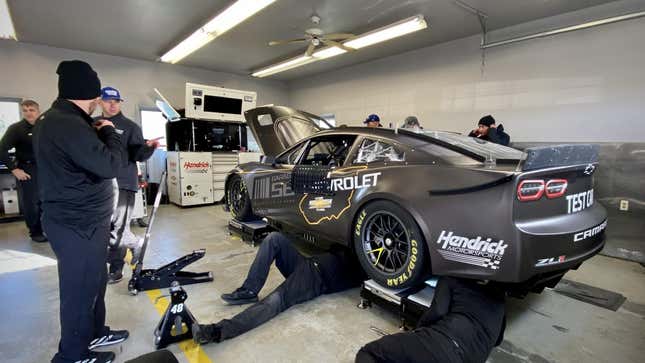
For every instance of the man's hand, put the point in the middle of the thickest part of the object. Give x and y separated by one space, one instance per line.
475 132
102 123
20 174
154 143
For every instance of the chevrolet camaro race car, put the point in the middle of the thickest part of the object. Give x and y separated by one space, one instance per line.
414 203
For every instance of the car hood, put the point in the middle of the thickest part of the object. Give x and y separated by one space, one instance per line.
276 128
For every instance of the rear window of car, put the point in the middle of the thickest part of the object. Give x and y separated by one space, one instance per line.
479 149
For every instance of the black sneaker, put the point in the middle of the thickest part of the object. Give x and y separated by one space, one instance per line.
114 277
203 334
38 238
240 296
111 338
98 357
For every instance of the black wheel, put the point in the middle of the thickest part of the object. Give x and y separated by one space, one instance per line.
390 245
237 199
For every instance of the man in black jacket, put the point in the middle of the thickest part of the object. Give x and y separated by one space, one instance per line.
137 149
77 158
487 130
465 321
306 279
19 136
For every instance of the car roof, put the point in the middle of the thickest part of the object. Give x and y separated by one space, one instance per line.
402 136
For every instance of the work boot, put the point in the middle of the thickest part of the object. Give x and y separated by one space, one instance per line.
204 334
111 338
38 237
98 357
240 296
114 277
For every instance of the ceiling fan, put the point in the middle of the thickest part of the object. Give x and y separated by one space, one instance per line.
315 37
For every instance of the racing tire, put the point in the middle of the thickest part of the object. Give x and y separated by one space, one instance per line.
237 199
390 246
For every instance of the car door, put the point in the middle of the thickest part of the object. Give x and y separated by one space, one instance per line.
276 128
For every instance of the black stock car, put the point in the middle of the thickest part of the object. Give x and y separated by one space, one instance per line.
414 203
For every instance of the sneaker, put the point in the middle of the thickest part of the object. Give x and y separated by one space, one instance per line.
111 338
98 357
114 277
240 296
38 238
204 334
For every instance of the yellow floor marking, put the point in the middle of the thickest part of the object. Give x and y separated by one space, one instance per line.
193 352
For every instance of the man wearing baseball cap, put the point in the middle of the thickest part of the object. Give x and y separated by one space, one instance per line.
373 121
137 149
76 158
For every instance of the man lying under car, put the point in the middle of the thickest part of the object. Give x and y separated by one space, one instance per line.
306 279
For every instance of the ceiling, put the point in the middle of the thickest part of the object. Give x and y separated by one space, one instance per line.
145 29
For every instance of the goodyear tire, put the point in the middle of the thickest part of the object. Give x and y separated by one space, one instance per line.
390 245
237 199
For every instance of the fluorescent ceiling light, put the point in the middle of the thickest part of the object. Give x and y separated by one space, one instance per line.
220 24
403 27
6 25
288 64
395 30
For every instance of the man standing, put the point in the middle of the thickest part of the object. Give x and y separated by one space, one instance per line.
137 149
373 121
23 168
77 158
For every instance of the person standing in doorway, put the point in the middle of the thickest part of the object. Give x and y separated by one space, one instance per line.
19 136
137 149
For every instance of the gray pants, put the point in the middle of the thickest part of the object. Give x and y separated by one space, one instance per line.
121 237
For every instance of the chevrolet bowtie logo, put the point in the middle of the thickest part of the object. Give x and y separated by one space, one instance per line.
590 169
320 204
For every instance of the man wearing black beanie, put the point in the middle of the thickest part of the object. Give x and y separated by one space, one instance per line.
77 158
486 130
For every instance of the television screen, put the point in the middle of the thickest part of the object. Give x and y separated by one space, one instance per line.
222 105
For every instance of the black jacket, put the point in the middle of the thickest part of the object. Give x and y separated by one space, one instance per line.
495 134
472 315
75 164
134 145
18 135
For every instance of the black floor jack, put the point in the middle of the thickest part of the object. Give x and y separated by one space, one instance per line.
164 276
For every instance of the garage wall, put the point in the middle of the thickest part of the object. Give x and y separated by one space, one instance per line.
587 85
29 71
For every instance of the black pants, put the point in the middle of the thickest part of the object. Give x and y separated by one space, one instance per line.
29 199
121 237
420 345
82 278
303 283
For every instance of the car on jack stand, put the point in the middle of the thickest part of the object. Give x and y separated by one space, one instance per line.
414 203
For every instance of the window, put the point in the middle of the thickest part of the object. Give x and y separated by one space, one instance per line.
290 157
9 113
377 150
153 125
328 150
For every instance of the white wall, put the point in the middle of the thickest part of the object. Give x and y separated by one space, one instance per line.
587 85
29 71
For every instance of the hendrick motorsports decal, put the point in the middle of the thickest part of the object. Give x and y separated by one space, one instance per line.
551 261
199 167
355 182
473 251
581 236
579 201
320 204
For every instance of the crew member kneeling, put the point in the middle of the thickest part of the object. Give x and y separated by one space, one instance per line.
465 321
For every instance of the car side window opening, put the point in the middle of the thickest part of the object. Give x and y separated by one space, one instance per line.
290 157
328 150
377 150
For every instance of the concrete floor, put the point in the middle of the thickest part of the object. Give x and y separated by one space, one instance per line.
546 327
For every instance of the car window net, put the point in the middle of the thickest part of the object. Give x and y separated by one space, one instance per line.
374 150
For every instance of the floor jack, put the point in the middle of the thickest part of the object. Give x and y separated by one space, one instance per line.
408 304
177 322
164 276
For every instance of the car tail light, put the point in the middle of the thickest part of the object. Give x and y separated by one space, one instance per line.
530 190
556 188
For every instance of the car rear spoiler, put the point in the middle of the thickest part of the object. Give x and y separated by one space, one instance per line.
560 155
